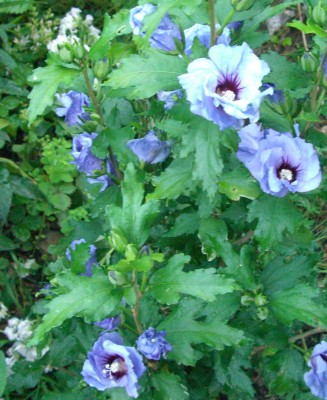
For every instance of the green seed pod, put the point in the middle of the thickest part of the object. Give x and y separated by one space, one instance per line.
319 15
262 313
242 5
260 300
79 51
246 300
116 278
101 69
118 241
65 55
130 252
309 62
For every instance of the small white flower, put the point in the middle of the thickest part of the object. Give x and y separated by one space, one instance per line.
3 311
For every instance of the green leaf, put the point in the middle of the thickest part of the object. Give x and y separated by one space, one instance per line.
297 304
185 224
174 181
169 386
133 218
287 75
239 183
79 258
47 80
5 201
146 75
6 244
275 216
25 187
61 201
7 60
169 282
9 87
92 298
214 237
310 27
272 119
203 140
115 26
284 272
183 332
15 6
3 373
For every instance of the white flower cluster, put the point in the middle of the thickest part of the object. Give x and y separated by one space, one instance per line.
70 27
20 330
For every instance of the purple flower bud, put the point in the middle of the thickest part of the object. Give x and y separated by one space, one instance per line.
203 33
153 345
280 162
105 180
149 149
225 88
165 33
170 98
73 109
277 96
109 324
316 378
92 251
111 364
83 158
236 25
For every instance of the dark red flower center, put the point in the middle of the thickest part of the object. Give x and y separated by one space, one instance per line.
114 367
229 87
287 172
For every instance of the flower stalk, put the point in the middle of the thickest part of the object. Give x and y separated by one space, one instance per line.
212 17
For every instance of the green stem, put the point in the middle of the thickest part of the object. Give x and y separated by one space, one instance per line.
212 18
314 331
229 17
99 112
136 309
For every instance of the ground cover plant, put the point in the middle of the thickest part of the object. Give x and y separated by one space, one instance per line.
162 202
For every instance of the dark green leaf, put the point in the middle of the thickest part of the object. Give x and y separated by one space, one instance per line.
146 75
185 224
174 181
6 244
133 218
169 282
214 237
169 386
47 80
5 201
3 373
275 216
92 298
239 183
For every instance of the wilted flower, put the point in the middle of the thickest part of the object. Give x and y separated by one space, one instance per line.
73 110
149 149
280 162
170 98
153 345
316 378
165 33
203 33
90 262
225 88
111 364
109 324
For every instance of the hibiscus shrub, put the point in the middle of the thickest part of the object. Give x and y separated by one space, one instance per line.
191 265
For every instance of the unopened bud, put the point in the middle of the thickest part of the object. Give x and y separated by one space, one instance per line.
260 300
118 241
246 300
116 278
130 252
242 5
65 55
309 62
319 15
262 313
101 69
79 51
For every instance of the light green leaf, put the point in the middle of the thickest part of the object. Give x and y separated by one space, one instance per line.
15 6
3 373
183 332
297 304
239 183
147 74
310 27
214 237
169 386
134 219
47 80
115 26
275 216
169 282
174 181
92 298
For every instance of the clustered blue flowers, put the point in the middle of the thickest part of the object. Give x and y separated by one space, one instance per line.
111 364
316 378
149 148
73 107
